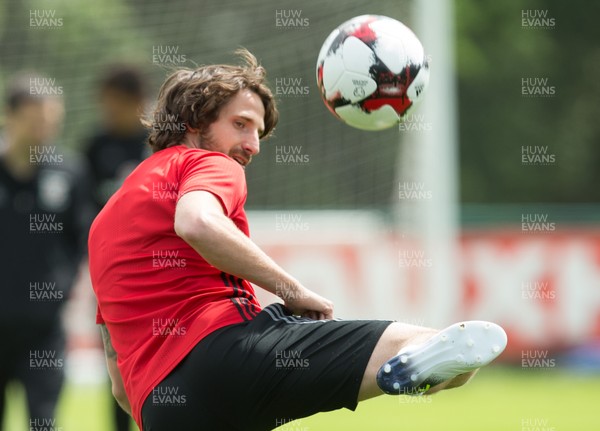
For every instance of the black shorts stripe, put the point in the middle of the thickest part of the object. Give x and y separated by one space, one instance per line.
277 314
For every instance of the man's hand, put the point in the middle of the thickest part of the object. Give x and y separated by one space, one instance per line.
304 302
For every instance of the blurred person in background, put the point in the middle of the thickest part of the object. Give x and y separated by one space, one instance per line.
117 147
120 143
44 219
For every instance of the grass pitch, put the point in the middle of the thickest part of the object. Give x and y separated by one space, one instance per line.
498 399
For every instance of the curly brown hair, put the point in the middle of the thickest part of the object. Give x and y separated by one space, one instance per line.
194 98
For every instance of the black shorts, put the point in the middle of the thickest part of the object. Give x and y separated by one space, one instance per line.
263 373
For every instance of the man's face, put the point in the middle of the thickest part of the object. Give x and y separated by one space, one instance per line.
237 129
36 122
120 111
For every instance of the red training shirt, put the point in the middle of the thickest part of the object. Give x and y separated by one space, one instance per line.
157 296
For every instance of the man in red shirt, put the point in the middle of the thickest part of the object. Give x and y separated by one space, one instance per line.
171 265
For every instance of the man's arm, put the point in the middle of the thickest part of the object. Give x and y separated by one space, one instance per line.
118 389
202 223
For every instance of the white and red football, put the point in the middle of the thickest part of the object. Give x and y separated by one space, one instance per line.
371 70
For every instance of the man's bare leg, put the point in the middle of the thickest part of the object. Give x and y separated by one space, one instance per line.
396 337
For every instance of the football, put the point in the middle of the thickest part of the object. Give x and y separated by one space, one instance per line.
371 70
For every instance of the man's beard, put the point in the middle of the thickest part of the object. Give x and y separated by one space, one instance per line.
206 141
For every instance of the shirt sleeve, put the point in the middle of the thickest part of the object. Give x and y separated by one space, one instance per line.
215 173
